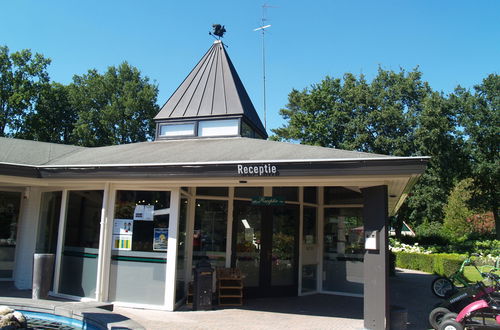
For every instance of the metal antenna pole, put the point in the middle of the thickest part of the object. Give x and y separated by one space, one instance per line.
263 29
264 76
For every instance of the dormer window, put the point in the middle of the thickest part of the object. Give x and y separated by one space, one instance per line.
200 128
228 127
174 130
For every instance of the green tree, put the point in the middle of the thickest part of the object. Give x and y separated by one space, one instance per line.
436 135
480 119
22 77
53 119
113 108
457 210
352 114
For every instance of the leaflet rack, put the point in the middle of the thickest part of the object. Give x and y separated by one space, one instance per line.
229 287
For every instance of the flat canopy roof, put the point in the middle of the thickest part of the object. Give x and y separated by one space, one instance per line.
221 159
214 151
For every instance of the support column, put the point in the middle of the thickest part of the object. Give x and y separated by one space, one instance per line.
104 247
173 229
376 275
27 230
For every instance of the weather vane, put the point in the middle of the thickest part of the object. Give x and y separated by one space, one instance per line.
218 31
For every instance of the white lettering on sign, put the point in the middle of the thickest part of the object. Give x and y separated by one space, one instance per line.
258 170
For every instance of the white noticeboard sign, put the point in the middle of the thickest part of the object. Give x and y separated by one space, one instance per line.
144 212
123 227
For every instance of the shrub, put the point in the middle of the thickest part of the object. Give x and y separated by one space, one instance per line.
457 211
482 223
437 263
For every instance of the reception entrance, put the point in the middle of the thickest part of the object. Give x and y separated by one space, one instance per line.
265 248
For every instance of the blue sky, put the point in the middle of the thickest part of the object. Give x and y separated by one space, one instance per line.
452 42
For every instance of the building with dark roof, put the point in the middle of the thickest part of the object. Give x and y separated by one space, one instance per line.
127 223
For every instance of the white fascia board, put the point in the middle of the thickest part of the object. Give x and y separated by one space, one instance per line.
422 158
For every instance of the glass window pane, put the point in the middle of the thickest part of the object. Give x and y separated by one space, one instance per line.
311 195
212 191
139 246
81 243
284 232
9 215
343 250
177 129
309 276
289 193
49 222
248 192
248 241
342 195
180 283
210 229
309 225
246 130
226 127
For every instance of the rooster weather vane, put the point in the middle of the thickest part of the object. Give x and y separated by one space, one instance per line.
218 31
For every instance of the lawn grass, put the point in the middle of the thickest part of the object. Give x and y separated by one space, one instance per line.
473 275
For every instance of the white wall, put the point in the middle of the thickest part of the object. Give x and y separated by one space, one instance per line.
27 228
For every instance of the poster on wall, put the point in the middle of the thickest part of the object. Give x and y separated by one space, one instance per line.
160 240
144 212
123 227
122 242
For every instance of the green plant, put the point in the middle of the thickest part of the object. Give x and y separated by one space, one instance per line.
457 210
437 263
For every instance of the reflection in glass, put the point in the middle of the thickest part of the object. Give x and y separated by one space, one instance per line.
81 243
248 192
309 275
144 256
309 225
285 221
212 191
311 195
343 250
342 195
49 222
248 242
180 282
9 215
210 231
288 193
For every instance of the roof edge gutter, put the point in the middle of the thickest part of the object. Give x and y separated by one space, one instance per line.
234 162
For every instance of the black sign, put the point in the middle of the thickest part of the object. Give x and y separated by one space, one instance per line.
257 170
268 201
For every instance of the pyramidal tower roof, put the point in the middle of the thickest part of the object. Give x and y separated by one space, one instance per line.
213 89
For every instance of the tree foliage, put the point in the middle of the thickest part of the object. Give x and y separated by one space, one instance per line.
480 119
113 108
22 77
457 209
397 113
54 118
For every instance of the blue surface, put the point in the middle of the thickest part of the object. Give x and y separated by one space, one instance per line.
67 321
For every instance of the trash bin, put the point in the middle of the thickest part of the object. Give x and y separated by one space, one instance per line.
43 267
202 286
399 318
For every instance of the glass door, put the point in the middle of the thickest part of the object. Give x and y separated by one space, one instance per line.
9 214
78 270
265 248
343 251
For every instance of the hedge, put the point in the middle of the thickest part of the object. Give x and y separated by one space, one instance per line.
436 263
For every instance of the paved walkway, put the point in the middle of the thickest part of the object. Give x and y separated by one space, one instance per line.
309 312
409 289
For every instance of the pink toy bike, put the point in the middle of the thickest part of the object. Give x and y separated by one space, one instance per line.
480 314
